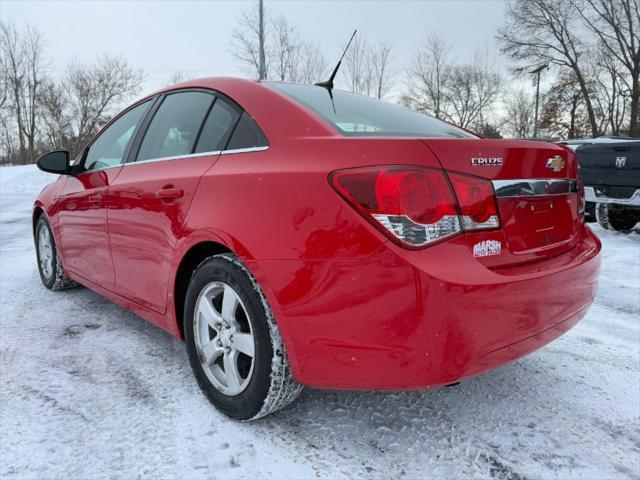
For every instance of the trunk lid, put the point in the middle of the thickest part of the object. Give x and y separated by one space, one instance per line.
536 194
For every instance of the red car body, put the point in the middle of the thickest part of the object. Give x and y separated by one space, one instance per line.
355 309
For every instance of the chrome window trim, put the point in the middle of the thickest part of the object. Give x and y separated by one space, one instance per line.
196 155
175 157
117 165
178 157
534 187
245 150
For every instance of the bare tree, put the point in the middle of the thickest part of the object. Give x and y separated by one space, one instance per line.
429 76
380 54
616 23
357 66
308 63
612 94
283 48
95 91
56 131
564 113
37 112
262 61
462 94
545 31
289 56
519 113
180 76
472 91
22 53
248 41
367 66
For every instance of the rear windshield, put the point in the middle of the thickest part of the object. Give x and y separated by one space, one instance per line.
357 115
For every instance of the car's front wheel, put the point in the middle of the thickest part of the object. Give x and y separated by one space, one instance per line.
233 342
49 264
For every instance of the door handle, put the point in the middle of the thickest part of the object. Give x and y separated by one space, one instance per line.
95 199
168 194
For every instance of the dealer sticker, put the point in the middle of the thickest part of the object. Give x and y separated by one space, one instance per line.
487 248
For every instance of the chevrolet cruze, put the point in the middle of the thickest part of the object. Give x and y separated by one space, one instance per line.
297 235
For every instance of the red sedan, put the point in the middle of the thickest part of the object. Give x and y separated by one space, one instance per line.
293 235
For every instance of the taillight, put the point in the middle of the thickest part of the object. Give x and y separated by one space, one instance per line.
415 206
477 202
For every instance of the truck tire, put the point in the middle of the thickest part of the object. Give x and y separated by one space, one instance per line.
602 215
623 220
619 219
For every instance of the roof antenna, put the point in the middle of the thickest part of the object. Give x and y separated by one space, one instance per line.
328 84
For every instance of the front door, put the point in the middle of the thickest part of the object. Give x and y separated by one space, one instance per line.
149 200
82 201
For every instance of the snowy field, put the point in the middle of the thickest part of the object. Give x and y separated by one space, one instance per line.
88 390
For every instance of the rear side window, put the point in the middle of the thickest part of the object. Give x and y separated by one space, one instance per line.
175 125
358 115
247 134
218 127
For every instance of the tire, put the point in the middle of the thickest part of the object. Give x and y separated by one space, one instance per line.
590 212
623 220
49 265
602 215
226 319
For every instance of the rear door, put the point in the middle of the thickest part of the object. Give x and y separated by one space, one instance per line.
82 202
149 200
537 196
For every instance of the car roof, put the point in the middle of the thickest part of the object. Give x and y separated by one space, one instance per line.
277 115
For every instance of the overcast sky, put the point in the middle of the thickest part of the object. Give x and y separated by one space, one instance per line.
161 37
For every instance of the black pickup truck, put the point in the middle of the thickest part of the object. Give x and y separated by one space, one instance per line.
610 170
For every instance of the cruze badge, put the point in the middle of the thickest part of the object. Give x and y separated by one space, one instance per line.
486 161
487 248
555 163
621 162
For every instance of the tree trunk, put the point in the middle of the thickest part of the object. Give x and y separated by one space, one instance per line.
595 131
634 126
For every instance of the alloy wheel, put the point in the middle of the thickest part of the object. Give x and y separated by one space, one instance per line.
45 251
224 338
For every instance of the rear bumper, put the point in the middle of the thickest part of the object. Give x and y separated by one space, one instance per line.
410 320
593 195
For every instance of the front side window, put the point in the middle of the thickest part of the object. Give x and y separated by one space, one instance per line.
358 115
110 147
175 125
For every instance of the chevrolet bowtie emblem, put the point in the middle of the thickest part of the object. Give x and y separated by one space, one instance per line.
555 163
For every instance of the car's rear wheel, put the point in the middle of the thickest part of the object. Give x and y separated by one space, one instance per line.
49 264
233 343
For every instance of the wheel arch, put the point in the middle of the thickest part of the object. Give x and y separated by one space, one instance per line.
192 251
38 211
193 257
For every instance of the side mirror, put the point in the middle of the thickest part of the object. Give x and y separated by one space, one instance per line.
54 162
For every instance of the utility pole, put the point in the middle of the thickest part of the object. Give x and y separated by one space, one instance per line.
537 71
263 73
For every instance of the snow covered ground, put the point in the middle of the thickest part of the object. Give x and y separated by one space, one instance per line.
88 390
